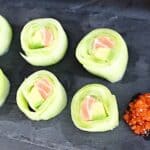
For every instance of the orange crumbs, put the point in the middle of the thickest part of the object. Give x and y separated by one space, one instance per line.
138 114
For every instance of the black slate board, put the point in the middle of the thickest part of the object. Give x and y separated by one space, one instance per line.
131 18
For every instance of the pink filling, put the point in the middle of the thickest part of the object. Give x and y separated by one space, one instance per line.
47 37
103 42
86 108
43 87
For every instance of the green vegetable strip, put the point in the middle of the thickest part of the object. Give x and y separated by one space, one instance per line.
103 114
108 59
43 41
4 87
5 35
41 96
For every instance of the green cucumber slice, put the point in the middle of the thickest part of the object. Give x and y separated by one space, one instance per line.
106 61
33 104
104 114
43 41
4 86
5 35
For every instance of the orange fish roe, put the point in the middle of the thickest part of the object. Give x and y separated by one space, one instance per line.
138 114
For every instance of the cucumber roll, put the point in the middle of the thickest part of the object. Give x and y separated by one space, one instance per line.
43 41
5 35
41 96
103 52
94 109
4 87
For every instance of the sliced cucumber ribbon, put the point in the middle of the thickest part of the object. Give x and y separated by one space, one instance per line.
103 52
5 35
4 87
43 41
94 109
41 96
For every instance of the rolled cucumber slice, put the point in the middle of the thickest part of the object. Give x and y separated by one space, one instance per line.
41 96
4 87
43 41
94 109
5 35
103 52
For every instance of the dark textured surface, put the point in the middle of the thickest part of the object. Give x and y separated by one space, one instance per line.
130 18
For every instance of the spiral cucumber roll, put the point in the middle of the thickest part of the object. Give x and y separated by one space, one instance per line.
94 109
103 52
5 35
41 96
4 87
43 41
